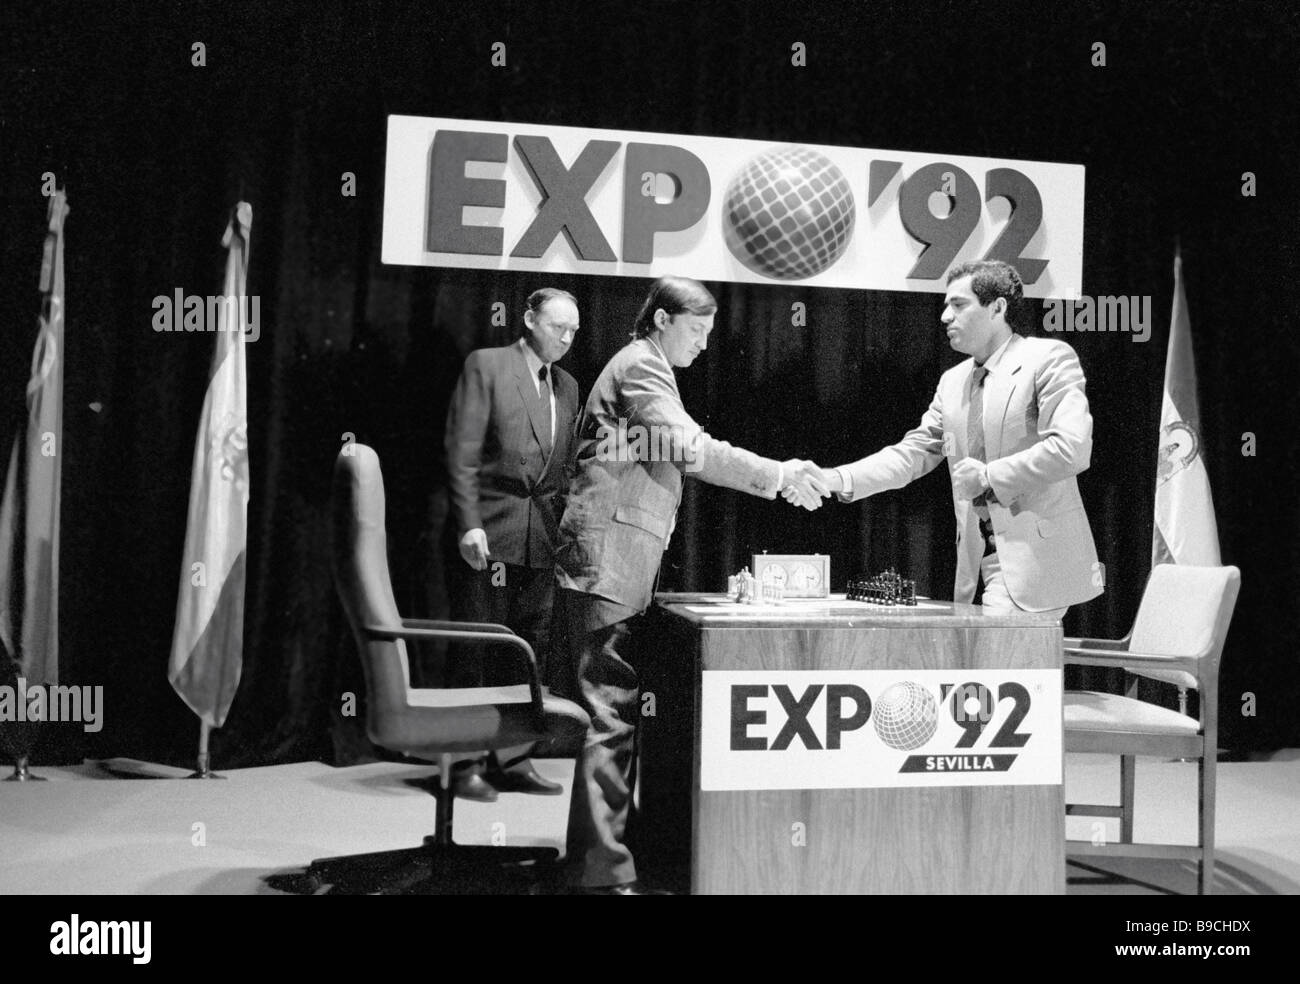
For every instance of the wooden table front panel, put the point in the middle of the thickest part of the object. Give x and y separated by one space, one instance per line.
960 839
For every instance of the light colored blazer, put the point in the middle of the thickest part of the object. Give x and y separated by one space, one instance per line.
622 506
1037 438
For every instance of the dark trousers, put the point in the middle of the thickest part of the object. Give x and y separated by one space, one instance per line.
523 604
604 777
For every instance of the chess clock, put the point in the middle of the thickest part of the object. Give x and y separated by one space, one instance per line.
798 575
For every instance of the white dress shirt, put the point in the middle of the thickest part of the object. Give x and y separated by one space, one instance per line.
534 367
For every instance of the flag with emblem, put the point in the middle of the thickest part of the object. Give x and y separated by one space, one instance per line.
29 509
1185 529
207 647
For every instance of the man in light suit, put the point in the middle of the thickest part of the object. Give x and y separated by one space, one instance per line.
509 450
1013 422
620 515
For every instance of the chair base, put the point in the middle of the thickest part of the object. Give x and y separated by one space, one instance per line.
437 869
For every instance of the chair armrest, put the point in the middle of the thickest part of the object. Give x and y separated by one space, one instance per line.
1109 645
524 657
1079 656
426 623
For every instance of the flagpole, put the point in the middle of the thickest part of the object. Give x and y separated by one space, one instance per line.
207 643
1185 529
203 771
29 504
22 773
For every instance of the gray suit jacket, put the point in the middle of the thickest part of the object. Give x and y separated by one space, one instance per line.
1037 438
623 500
501 482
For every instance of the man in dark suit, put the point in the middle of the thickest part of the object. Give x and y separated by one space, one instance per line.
509 451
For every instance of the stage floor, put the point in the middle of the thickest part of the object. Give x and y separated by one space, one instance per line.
125 827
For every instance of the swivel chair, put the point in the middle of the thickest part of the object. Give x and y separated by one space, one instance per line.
434 724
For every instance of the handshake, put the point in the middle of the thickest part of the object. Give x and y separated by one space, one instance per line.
804 484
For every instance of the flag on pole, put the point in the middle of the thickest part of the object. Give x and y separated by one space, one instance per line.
1185 530
29 509
207 648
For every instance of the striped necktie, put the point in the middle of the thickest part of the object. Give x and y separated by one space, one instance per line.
975 423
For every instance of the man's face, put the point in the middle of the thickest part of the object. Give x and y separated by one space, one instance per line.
683 336
970 325
552 327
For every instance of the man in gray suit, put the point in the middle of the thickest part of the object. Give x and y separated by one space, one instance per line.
509 451
620 514
1013 422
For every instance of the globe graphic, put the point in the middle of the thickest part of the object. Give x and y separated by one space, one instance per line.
906 716
788 213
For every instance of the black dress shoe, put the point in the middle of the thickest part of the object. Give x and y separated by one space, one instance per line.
472 786
523 778
627 888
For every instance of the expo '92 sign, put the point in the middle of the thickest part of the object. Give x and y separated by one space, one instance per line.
864 729
551 199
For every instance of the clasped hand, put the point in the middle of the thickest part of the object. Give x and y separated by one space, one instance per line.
805 484
968 478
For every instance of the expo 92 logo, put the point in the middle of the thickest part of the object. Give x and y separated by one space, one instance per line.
905 717
789 213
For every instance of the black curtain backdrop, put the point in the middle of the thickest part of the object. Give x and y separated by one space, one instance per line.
154 152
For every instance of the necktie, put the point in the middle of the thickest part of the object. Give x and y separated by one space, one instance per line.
544 398
975 423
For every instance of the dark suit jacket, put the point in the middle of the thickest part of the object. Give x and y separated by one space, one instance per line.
623 503
500 479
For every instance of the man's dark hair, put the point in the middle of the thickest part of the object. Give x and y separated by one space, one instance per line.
991 279
676 295
538 298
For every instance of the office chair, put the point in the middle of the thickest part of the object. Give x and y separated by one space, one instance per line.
1177 638
440 725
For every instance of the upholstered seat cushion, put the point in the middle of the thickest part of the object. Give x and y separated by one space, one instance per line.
468 696
433 727
1087 710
